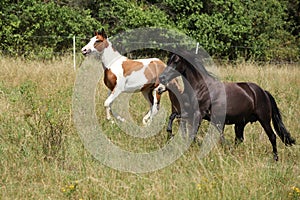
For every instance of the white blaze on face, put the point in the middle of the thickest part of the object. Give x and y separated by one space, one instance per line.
90 46
161 88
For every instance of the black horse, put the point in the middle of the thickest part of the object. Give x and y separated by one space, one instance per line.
227 103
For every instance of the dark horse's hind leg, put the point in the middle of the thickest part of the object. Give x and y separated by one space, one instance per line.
272 137
239 133
220 128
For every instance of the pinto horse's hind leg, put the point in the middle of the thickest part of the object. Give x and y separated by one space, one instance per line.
239 133
150 101
153 98
156 100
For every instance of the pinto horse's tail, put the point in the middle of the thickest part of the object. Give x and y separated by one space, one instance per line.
280 129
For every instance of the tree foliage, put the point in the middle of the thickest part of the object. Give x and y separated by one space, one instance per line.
228 29
32 27
231 29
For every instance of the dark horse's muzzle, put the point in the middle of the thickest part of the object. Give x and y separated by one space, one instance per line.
163 84
163 79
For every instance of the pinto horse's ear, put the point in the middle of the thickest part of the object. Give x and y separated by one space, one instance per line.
103 33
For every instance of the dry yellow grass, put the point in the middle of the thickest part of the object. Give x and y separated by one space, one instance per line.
42 156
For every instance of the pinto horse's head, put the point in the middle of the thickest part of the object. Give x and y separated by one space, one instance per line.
175 66
96 44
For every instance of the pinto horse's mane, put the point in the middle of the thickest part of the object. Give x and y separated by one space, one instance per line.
195 63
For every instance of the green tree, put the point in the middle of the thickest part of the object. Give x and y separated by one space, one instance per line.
258 30
120 15
36 28
231 29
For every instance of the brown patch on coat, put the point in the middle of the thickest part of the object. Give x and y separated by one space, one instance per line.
158 97
101 43
152 72
148 86
130 66
110 79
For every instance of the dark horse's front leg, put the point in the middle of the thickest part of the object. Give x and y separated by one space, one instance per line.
170 124
239 133
190 125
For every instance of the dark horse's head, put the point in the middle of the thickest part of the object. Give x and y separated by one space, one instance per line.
186 62
176 66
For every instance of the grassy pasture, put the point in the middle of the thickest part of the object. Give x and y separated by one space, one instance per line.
42 156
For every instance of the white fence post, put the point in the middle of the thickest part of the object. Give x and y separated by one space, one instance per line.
74 52
197 48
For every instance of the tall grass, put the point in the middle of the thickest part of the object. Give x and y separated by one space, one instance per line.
42 156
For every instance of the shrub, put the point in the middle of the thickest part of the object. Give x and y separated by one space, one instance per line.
33 28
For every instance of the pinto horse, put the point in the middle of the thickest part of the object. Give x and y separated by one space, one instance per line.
245 102
125 75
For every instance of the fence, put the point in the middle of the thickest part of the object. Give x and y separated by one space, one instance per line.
76 44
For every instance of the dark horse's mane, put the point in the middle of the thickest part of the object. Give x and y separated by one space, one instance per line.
195 63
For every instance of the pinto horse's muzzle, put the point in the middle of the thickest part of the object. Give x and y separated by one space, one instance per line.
161 88
85 52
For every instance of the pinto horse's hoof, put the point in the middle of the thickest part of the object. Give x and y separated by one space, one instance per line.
121 119
147 121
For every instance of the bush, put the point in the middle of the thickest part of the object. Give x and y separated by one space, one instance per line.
256 30
33 28
232 29
121 15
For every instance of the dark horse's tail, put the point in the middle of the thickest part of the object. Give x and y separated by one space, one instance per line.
280 129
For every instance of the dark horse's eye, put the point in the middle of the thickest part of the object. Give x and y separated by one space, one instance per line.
176 59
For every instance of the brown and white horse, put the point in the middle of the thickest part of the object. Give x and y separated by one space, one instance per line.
125 75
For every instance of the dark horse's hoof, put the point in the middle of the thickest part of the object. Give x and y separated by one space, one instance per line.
275 157
170 135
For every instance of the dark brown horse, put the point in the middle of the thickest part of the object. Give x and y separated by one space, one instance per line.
227 103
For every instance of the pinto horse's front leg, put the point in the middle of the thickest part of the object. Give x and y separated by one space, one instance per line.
107 104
